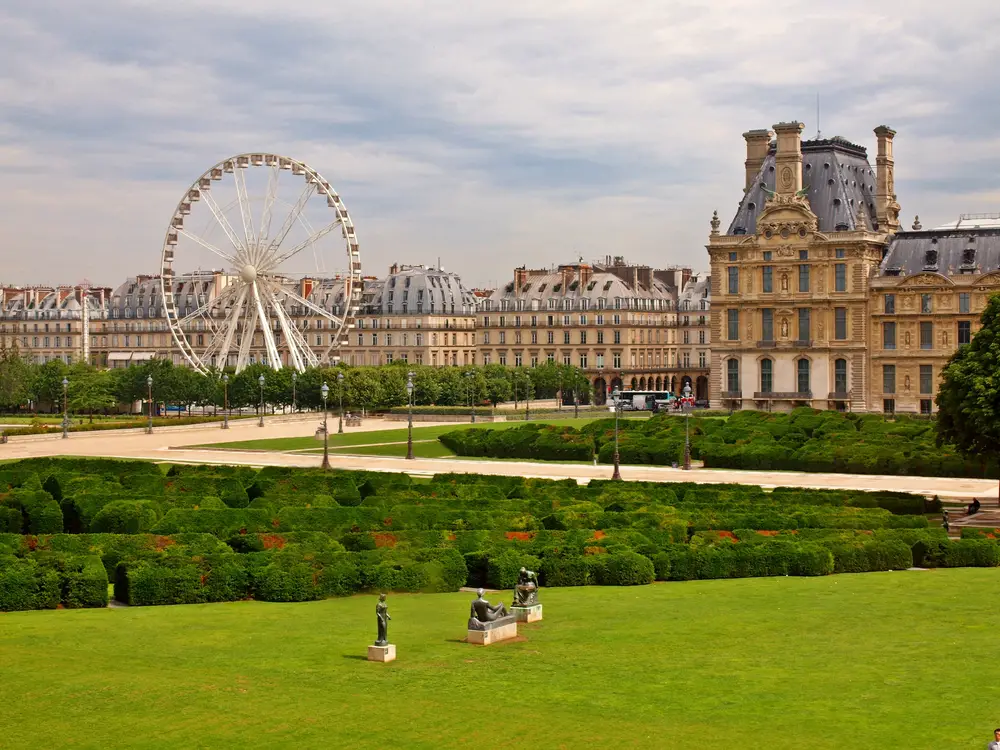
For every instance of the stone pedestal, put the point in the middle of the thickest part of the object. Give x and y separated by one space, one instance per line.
488 633
382 653
527 614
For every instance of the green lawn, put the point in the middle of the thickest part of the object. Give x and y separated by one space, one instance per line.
392 435
879 660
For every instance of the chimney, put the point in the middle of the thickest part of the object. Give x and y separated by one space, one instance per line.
788 158
520 278
567 277
307 287
758 142
886 207
394 268
586 272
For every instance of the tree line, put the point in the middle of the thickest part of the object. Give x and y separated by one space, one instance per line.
26 386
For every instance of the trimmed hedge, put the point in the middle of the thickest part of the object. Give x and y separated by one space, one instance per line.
24 584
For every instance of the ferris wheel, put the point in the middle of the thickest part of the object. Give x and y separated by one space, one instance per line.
260 264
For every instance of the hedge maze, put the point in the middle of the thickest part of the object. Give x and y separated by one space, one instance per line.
215 533
802 440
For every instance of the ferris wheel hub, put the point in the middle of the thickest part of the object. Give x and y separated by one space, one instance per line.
248 273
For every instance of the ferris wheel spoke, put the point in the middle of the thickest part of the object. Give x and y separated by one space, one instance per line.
213 302
309 241
223 222
235 315
208 246
293 215
310 305
246 340
240 177
265 327
293 337
269 198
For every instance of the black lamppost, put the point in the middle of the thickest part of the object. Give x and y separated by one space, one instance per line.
65 385
325 391
295 376
149 398
340 395
513 380
471 392
616 400
560 389
527 400
225 401
686 406
409 415
576 401
260 420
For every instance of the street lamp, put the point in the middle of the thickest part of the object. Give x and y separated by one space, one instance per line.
686 406
325 391
409 415
340 395
471 391
616 400
225 401
560 390
295 376
260 421
576 401
149 397
65 385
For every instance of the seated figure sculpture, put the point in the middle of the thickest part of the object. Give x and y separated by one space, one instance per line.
526 589
483 612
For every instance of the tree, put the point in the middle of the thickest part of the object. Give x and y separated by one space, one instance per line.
90 390
969 397
16 377
497 386
47 385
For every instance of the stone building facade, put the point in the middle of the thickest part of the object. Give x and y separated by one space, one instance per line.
615 321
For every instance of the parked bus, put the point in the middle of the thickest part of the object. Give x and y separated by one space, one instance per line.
643 401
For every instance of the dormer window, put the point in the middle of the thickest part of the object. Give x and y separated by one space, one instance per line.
930 259
969 256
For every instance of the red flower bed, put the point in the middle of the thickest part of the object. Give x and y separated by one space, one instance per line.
594 550
520 536
162 542
272 541
385 539
598 535
768 533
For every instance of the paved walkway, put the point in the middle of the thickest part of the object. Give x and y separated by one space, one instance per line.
176 444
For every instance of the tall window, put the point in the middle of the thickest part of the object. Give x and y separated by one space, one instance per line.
804 324
888 378
926 334
840 323
766 375
926 303
840 375
964 332
964 303
734 279
733 325
890 304
840 277
766 324
767 279
803 375
732 375
803 278
926 379
888 335
616 360
618 337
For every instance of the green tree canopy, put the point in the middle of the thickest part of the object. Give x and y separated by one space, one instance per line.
969 397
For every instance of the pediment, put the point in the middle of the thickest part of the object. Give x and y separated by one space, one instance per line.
787 217
927 278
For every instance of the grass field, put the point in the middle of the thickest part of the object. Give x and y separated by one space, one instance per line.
392 435
879 660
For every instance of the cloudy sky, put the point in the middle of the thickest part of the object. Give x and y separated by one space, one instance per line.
489 134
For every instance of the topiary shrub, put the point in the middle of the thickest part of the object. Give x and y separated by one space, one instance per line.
503 568
972 553
85 582
570 570
125 517
26 585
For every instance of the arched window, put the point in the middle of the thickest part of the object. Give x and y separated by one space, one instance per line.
766 375
840 376
803 373
732 375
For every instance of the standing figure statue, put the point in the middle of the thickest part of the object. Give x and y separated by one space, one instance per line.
382 613
526 589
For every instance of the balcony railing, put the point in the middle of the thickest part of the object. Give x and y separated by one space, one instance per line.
802 343
839 396
767 344
783 395
730 395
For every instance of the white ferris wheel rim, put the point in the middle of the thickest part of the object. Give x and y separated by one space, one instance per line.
254 290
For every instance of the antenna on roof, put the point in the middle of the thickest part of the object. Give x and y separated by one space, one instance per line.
818 132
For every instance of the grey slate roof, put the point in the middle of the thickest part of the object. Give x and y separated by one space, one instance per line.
837 176
414 290
948 252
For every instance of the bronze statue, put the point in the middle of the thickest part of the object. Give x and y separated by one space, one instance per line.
526 589
483 611
382 613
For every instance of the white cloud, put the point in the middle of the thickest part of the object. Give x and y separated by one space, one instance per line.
489 134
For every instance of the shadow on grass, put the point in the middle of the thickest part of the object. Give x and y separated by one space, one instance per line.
356 657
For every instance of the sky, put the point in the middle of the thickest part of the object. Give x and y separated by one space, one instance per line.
484 134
